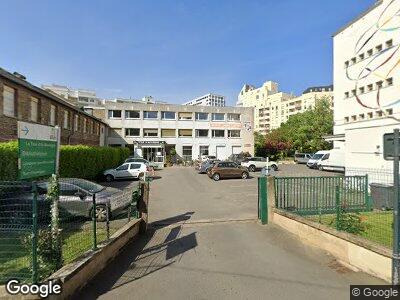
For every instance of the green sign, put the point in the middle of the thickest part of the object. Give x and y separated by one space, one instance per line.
37 150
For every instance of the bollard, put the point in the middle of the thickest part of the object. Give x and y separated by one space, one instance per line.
94 222
262 200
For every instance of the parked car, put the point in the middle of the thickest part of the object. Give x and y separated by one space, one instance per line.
207 157
227 169
302 158
206 166
126 170
254 163
316 158
332 161
137 159
238 158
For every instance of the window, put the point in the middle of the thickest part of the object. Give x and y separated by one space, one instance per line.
370 115
34 109
217 133
389 81
218 117
185 132
84 125
361 56
76 123
378 48
234 117
123 167
204 150
234 133
114 114
66 119
346 64
353 60
132 132
185 116
353 92
370 87
370 52
346 95
346 119
379 113
200 116
150 132
389 43
52 115
168 115
389 111
379 84
168 133
132 114
8 101
150 114
134 166
187 152
201 132
361 116
362 90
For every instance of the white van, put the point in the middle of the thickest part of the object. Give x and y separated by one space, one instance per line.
332 161
316 158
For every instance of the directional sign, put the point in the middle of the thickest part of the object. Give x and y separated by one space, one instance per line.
388 146
37 150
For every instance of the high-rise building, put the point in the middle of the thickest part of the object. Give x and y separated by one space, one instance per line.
208 100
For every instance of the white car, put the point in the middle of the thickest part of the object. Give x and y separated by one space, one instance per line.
254 163
126 170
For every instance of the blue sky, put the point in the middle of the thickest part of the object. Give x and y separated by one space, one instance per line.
173 50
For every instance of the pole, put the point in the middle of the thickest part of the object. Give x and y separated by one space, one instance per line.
338 208
94 222
34 235
58 149
396 221
262 182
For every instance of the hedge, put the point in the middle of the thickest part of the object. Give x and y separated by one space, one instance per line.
75 161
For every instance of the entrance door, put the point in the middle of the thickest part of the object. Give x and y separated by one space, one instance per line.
221 153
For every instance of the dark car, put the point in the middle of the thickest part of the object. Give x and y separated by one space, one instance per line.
227 169
206 166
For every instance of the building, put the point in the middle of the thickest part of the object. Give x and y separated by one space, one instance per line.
208 100
191 130
367 81
272 107
22 101
77 97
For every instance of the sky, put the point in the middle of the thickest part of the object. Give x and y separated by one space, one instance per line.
173 50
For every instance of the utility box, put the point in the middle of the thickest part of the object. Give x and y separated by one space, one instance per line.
382 196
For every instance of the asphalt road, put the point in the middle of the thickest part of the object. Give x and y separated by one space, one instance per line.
204 243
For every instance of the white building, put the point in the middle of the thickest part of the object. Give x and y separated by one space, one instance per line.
367 82
191 130
208 100
78 97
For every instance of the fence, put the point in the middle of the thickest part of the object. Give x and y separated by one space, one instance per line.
359 203
38 237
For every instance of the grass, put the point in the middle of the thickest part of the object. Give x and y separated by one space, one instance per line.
379 225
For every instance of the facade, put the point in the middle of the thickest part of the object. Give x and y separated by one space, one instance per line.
77 97
367 81
208 100
22 101
151 129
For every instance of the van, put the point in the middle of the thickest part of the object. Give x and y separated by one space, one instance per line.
332 161
302 158
316 158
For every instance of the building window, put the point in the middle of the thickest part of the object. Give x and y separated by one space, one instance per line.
234 117
132 114
379 113
200 116
201 132
76 123
84 125
370 115
389 81
346 95
114 114
168 115
217 133
150 132
379 84
234 133
361 116
185 133
361 56
218 117
389 111
353 60
353 92
389 43
66 119
132 132
370 52
378 48
34 109
204 150
370 87
150 115
187 152
362 90
168 132
52 115
185 116
346 119
8 101
346 64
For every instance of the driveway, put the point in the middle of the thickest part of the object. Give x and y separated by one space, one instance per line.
205 243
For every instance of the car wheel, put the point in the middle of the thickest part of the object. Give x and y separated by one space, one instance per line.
252 168
109 178
245 175
101 213
216 177
274 167
321 168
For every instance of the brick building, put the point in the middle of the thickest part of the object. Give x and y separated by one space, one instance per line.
22 101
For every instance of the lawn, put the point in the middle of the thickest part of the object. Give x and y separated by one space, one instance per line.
379 225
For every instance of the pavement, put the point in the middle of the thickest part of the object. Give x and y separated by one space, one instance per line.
205 243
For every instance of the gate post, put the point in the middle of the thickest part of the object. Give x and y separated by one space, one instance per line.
262 200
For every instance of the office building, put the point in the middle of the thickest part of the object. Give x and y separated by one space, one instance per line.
208 100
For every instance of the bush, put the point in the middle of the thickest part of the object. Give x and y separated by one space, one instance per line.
75 161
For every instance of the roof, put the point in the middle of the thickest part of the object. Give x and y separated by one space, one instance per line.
318 89
375 5
28 85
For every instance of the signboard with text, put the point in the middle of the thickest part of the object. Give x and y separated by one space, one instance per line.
37 150
388 146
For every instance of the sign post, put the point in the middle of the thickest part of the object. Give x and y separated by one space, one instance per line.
38 147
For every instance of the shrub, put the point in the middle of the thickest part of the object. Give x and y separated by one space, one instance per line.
9 160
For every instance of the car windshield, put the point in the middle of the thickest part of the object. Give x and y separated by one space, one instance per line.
84 184
317 156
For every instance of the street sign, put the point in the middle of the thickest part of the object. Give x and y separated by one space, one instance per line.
37 150
388 146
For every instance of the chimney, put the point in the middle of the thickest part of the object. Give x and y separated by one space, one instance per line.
19 75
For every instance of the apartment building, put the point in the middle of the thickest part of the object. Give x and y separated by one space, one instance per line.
151 128
22 101
367 81
78 97
208 100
